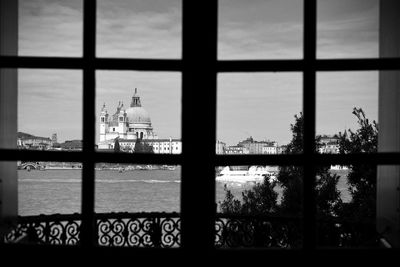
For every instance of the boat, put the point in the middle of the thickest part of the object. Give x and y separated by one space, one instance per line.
246 174
168 167
171 168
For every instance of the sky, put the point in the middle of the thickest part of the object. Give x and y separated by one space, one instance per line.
261 105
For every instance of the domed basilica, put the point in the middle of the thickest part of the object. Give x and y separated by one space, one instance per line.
129 125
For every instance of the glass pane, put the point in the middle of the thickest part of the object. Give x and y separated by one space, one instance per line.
347 206
46 196
260 29
347 108
138 205
49 109
137 188
139 29
138 112
271 199
49 187
347 28
50 28
256 111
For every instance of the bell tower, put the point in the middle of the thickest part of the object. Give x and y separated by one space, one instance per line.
103 123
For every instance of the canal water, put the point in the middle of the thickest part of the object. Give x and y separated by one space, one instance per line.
59 191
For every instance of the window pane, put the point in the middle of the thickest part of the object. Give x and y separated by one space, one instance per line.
269 197
256 110
137 188
347 102
347 206
49 109
347 28
49 187
47 197
139 29
50 28
138 112
260 29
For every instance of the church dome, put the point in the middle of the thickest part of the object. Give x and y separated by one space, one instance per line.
137 115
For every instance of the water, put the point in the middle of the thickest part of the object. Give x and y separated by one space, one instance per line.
59 191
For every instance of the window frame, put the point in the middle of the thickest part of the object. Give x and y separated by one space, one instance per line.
199 67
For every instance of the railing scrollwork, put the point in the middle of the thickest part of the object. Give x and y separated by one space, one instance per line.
163 230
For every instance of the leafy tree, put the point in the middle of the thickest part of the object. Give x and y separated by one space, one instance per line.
354 230
259 200
142 147
361 178
262 198
117 147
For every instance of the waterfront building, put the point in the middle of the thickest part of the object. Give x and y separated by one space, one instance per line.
160 146
271 148
236 150
28 141
259 147
220 147
130 125
329 144
72 145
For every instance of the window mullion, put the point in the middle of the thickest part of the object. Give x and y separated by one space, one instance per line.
89 44
199 55
309 101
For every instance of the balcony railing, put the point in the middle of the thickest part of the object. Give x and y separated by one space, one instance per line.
162 230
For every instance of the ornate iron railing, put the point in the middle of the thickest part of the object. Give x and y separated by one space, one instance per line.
61 229
139 229
163 230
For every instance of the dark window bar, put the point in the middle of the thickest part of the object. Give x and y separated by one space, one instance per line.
89 113
309 106
221 65
199 87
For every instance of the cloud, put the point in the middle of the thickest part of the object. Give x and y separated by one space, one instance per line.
353 34
50 28
124 30
252 30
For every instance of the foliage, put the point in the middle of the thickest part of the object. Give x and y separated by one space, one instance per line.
263 199
361 177
117 147
142 147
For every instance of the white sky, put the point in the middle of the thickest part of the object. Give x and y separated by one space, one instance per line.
262 105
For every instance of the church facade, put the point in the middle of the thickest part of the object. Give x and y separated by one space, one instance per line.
130 125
